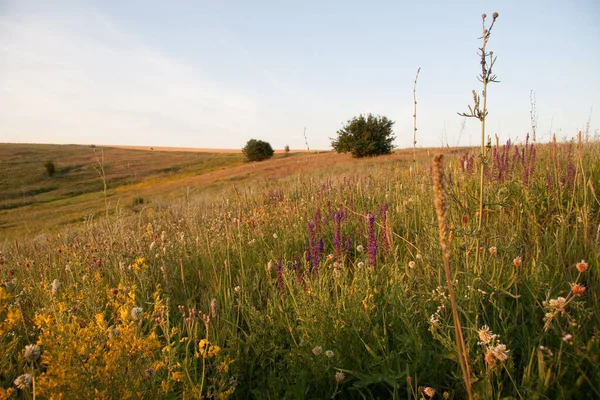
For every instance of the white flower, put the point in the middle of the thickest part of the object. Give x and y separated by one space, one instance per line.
32 352
329 353
411 264
317 350
237 289
339 377
360 264
500 352
23 381
274 236
136 313
360 248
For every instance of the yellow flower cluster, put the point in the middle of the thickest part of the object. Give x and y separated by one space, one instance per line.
9 316
207 349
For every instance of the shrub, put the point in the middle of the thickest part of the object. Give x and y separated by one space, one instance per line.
257 150
50 168
286 149
365 136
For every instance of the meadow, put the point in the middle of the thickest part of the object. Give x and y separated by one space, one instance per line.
321 281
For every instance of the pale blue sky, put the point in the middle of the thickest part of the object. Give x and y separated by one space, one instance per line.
215 74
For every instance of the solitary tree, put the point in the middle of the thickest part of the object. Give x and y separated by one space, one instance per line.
365 136
257 150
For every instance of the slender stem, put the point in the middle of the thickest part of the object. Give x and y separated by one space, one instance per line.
415 125
440 207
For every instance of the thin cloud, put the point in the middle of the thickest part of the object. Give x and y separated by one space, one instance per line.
80 79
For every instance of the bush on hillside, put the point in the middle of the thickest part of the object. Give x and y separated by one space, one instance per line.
257 150
365 136
50 168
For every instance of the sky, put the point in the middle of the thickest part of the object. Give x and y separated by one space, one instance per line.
216 74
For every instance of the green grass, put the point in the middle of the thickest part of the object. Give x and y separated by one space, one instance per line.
242 242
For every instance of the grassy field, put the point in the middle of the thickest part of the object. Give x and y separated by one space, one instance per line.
308 277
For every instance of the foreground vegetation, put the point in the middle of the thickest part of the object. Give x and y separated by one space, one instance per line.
322 285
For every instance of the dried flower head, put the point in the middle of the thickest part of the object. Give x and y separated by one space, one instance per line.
486 335
577 289
339 377
493 250
517 261
23 381
360 248
237 289
411 264
567 338
495 15
32 352
582 266
136 313
360 264
483 16
317 350
429 391
55 286
329 353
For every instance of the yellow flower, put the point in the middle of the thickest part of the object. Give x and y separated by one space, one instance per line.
177 376
214 350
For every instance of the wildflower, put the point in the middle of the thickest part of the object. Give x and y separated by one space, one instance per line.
213 308
360 248
411 264
490 359
429 392
419 256
360 264
483 16
493 250
495 15
517 261
202 346
581 266
23 381
339 377
329 353
433 320
317 350
577 289
372 240
567 338
274 236
486 335
55 286
206 320
237 289
32 352
337 273
500 352
136 313
213 351
558 304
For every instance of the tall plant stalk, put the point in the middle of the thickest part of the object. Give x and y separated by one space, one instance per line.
480 111
415 124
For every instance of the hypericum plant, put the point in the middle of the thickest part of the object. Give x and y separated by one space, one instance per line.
479 110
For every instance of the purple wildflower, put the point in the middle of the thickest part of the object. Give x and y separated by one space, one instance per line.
280 278
372 240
